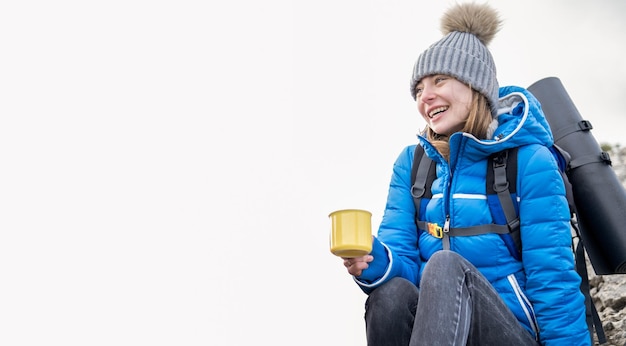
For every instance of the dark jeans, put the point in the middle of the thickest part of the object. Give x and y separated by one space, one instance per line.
456 306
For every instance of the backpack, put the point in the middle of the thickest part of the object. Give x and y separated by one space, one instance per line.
501 194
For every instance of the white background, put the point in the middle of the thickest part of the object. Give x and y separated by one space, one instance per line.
167 167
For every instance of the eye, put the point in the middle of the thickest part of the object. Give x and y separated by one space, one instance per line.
440 79
418 91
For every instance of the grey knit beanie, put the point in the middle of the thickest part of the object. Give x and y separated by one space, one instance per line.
462 53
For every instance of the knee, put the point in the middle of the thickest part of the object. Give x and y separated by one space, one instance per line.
443 259
444 255
396 294
442 263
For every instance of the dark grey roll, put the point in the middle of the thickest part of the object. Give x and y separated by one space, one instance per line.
599 196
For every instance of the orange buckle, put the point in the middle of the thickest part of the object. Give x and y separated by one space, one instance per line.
435 230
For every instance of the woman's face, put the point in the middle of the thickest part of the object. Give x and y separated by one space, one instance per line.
444 103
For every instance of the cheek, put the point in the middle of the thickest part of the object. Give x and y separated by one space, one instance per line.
420 109
465 104
467 99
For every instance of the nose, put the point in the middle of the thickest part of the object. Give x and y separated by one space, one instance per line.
427 94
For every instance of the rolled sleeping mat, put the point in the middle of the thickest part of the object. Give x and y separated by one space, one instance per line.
598 194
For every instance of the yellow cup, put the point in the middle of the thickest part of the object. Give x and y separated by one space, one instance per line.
351 232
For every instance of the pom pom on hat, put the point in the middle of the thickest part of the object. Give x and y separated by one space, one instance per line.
462 53
479 20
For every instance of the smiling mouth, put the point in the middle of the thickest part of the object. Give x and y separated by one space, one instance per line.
437 110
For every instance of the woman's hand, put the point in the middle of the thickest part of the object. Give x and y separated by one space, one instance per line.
358 264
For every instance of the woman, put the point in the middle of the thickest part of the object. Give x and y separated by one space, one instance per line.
429 290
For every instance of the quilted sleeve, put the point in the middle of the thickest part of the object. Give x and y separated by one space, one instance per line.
395 248
552 284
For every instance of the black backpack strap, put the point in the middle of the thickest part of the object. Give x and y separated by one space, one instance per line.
593 319
563 160
477 230
603 157
502 181
423 173
583 125
501 186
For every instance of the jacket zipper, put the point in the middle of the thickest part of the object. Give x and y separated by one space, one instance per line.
446 225
445 241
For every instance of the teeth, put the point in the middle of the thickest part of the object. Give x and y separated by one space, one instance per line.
436 111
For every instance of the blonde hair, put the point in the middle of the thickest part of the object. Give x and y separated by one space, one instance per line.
477 124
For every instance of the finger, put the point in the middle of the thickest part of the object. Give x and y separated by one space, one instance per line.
357 268
354 271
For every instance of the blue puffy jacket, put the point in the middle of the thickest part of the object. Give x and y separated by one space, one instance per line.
542 290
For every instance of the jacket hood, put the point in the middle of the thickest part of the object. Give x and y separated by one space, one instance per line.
520 121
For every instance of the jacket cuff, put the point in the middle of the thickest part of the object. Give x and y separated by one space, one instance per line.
378 269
